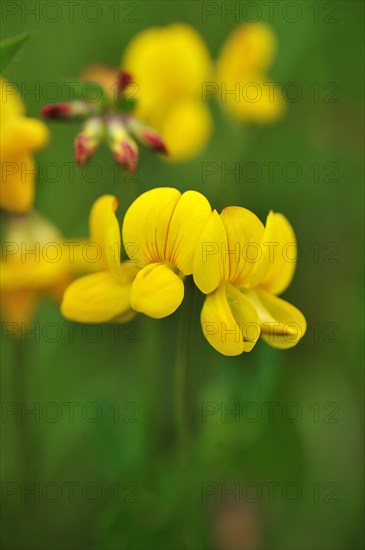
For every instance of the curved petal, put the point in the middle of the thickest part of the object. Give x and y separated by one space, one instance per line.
209 271
23 134
96 298
190 215
249 48
146 225
282 324
17 183
157 291
105 232
168 63
10 101
256 99
244 234
276 268
185 127
229 321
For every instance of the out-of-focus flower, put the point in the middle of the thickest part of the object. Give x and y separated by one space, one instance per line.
160 231
169 65
20 137
103 296
36 261
242 266
244 89
109 116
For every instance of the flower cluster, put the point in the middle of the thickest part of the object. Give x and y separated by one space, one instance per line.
237 262
173 71
107 117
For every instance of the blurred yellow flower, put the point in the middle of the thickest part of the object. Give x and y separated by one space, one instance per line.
244 89
242 266
160 231
169 65
35 261
103 296
20 137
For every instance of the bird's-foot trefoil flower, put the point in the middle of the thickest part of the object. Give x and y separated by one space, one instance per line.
20 137
170 65
243 87
110 115
36 262
242 266
160 231
103 296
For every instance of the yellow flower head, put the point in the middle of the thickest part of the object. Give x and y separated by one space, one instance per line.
20 137
169 65
160 231
242 266
245 90
34 262
103 296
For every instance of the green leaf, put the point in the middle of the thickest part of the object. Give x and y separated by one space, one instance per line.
9 47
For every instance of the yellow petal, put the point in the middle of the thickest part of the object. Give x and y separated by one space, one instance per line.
30 273
157 291
105 232
167 63
10 102
96 298
209 270
190 215
185 128
21 135
244 233
229 321
146 224
275 271
17 183
256 99
249 48
282 324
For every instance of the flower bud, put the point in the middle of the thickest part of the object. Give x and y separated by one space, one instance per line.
123 80
88 140
67 111
146 136
122 146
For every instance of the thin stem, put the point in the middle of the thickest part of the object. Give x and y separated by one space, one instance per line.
181 367
25 442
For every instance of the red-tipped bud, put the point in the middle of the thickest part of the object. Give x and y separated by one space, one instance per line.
67 111
146 136
122 146
88 140
152 139
123 80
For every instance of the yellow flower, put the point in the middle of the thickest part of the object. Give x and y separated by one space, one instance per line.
245 91
242 266
20 137
169 65
35 261
160 231
103 296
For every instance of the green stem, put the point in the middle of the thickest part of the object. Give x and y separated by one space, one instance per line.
181 367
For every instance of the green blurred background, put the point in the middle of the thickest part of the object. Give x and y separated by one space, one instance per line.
109 476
